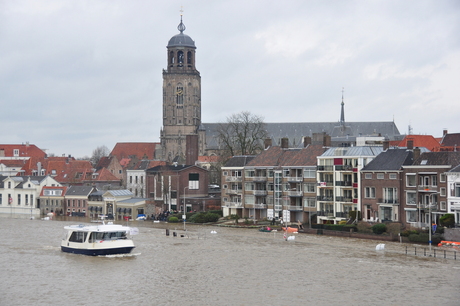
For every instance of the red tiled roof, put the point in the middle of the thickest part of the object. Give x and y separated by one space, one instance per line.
427 141
143 150
13 162
105 175
25 150
208 159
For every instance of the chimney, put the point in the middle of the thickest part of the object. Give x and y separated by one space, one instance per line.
267 143
191 155
284 143
386 144
306 141
327 140
444 132
410 144
416 153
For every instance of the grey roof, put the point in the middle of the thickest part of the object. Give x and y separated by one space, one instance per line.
79 190
391 159
239 161
353 151
122 192
296 130
181 40
132 200
455 169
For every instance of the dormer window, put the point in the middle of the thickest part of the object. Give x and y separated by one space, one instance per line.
16 152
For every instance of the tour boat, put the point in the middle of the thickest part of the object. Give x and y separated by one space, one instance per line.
98 240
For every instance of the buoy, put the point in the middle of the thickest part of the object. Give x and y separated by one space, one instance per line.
213 232
380 247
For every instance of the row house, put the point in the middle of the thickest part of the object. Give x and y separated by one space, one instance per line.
279 183
339 182
382 182
177 188
76 200
20 195
52 200
116 204
453 196
425 192
136 177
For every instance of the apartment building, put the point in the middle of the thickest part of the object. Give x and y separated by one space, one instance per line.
453 196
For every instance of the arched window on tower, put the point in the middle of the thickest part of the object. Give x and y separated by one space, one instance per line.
171 58
180 58
189 58
179 96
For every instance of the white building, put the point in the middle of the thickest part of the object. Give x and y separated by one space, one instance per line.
453 193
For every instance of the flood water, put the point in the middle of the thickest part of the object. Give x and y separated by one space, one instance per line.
230 267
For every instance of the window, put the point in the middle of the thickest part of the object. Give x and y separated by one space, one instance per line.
390 195
249 186
225 186
443 191
27 199
369 192
19 199
130 179
10 199
309 202
380 176
249 199
442 177
285 172
410 180
78 237
31 199
249 173
368 176
411 215
434 180
135 179
309 173
411 198
443 205
225 173
309 187
16 152
193 181
9 185
457 190
392 176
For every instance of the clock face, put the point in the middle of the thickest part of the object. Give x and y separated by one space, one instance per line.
179 92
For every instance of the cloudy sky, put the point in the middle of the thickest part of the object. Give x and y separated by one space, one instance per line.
76 75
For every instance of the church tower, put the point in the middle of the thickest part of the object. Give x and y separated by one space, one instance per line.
181 98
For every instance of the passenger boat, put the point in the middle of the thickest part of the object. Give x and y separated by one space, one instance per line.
98 240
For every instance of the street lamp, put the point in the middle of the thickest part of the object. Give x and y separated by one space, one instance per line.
184 216
429 219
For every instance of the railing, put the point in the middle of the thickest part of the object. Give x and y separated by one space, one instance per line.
256 206
327 213
343 199
343 168
295 193
233 179
388 201
343 183
260 192
323 198
341 214
259 178
233 204
294 179
325 168
427 188
234 191
326 184
295 208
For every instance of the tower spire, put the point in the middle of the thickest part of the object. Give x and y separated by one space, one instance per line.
342 113
181 26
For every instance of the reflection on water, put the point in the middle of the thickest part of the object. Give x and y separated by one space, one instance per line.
231 267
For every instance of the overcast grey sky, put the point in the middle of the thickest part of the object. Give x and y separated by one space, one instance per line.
75 75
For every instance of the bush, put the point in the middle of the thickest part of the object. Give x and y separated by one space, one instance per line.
394 228
364 227
379 228
447 220
173 219
204 217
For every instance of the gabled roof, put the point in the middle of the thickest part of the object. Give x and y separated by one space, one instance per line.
391 159
427 141
239 161
106 176
12 162
146 164
143 150
25 150
438 158
451 140
277 156
79 190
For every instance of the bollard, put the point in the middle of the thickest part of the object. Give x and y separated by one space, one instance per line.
174 234
167 232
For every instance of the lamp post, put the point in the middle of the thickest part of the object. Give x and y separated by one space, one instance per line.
184 216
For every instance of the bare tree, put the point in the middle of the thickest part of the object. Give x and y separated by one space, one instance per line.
98 153
242 134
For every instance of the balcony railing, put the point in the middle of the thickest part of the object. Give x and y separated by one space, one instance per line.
343 199
344 168
295 208
259 179
325 168
260 192
295 193
233 204
326 184
343 183
324 198
294 179
233 179
327 213
234 191
388 201
342 214
427 188
256 206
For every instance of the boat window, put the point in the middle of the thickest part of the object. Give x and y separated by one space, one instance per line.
106 236
78 237
96 236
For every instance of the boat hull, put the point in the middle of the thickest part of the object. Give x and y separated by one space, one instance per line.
98 252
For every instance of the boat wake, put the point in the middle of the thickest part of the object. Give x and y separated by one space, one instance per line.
121 255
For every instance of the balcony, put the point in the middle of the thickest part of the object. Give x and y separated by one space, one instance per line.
343 199
326 184
326 213
233 204
294 179
295 193
342 214
234 191
260 192
324 199
295 207
427 188
233 179
388 201
343 183
325 168
343 168
259 178
256 206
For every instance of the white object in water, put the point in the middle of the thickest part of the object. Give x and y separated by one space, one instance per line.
213 232
380 247
291 238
